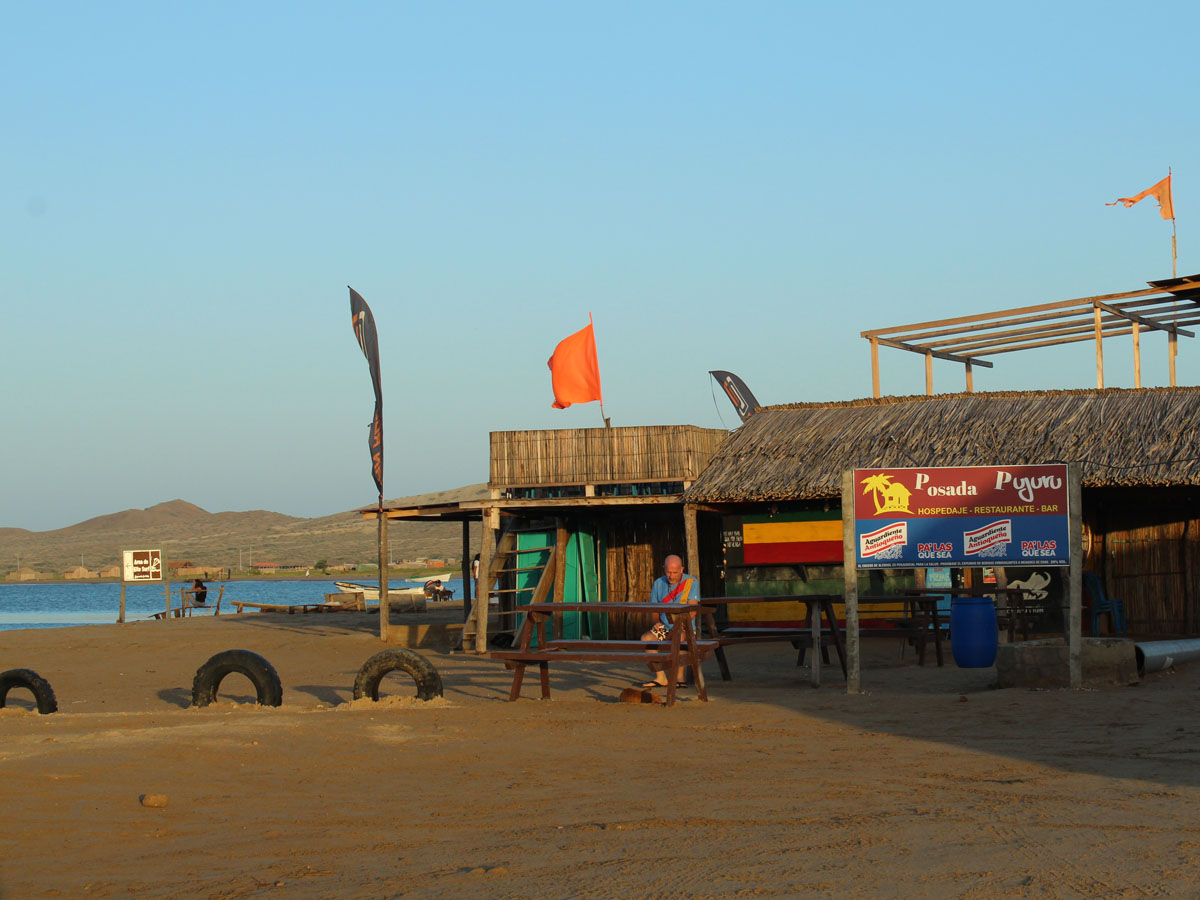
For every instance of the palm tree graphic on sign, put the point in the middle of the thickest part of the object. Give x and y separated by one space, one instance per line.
894 496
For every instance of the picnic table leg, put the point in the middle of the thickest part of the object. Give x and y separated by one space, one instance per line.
701 688
814 619
673 671
525 633
931 611
827 608
518 677
710 624
545 673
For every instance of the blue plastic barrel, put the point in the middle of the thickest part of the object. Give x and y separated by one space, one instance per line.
974 637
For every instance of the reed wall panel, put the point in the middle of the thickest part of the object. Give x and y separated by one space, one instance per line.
572 456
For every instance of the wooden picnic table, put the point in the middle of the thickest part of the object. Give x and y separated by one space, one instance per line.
537 615
816 606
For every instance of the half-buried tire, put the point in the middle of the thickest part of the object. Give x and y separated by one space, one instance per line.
34 683
260 672
428 681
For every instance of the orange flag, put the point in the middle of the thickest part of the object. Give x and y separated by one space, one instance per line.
574 370
1161 192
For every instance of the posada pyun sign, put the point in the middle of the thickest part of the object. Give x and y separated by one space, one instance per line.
961 516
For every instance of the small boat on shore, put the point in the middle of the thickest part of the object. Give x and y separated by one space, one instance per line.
370 592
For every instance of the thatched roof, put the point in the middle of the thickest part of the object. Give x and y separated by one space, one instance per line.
1140 437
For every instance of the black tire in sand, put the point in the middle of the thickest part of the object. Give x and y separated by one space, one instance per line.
426 677
260 672
34 683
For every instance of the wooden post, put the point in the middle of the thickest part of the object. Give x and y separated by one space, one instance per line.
561 537
466 568
384 605
928 374
121 615
166 585
1075 578
691 538
850 578
1137 355
814 624
970 377
487 543
1172 351
875 367
1099 346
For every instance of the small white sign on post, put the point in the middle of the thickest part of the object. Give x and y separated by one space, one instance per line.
141 565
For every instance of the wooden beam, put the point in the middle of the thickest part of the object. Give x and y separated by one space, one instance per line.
912 348
1143 320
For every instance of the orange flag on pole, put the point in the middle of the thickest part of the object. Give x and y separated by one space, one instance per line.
1161 192
574 370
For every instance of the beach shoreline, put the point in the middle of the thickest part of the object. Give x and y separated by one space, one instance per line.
929 784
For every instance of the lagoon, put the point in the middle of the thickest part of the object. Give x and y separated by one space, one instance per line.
62 605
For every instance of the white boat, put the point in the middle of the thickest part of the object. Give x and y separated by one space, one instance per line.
370 592
428 578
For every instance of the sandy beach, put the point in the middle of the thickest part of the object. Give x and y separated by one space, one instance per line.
930 784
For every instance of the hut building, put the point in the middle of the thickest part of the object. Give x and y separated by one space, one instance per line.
24 573
577 515
775 487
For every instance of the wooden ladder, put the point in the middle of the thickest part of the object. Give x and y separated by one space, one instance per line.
505 555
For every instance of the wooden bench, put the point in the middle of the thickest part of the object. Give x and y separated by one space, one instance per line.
186 608
682 650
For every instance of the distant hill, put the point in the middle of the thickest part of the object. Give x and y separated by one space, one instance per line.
187 532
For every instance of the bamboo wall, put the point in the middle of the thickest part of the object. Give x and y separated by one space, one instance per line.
572 456
1146 549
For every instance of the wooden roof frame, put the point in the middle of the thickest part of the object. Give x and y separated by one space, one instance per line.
1163 306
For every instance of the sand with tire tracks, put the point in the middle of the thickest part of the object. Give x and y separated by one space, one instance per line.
930 784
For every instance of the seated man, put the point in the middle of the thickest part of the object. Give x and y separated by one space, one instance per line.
674 586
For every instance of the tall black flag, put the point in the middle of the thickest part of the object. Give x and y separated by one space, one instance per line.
368 340
735 389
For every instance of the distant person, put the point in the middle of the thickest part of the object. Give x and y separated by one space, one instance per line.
475 574
199 592
673 586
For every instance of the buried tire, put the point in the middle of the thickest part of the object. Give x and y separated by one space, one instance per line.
34 683
260 672
428 681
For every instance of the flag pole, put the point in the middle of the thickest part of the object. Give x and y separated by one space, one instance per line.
592 325
1174 254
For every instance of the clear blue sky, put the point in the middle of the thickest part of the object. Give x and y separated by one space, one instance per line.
189 188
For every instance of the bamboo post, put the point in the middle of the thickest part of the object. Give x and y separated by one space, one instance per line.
384 605
1137 355
1172 350
487 544
850 578
466 568
692 540
875 367
1075 578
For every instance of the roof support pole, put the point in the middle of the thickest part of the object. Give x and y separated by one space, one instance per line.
928 374
970 378
1075 575
875 368
1137 355
850 587
692 539
1099 347
1172 351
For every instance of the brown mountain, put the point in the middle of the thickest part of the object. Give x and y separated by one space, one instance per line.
184 531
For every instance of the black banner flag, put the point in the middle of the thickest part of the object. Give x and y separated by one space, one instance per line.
368 340
735 389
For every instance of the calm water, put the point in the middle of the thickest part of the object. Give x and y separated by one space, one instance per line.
61 605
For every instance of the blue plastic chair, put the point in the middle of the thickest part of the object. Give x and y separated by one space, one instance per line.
1102 603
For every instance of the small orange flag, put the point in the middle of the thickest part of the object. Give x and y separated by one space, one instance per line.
574 370
1161 192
